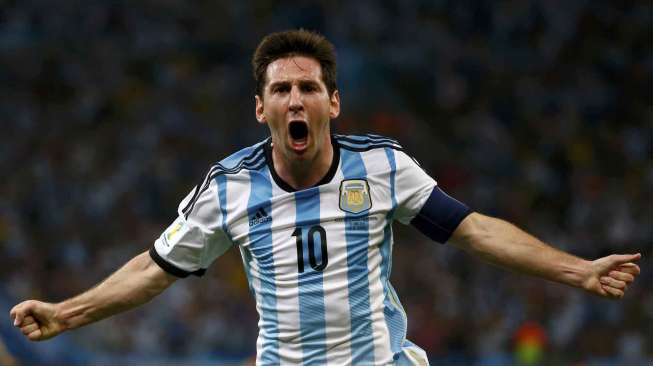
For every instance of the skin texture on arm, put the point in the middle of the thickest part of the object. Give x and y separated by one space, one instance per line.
134 284
503 244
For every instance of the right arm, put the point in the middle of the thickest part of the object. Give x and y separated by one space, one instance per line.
186 247
136 283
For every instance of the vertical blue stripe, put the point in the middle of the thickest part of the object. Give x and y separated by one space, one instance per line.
260 237
357 235
394 318
221 181
311 290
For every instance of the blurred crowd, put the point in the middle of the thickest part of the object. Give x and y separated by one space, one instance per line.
535 111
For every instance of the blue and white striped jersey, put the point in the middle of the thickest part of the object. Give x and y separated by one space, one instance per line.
318 260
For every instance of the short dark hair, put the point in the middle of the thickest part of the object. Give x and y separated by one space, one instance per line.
295 43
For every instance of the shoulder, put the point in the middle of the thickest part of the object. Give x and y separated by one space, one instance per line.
249 158
366 142
376 147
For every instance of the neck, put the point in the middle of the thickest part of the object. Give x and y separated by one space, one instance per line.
304 173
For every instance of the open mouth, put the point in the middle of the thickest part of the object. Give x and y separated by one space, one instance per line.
298 133
298 130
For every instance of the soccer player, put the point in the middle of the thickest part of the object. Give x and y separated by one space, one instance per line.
311 213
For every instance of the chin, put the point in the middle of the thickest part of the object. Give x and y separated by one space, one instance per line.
301 155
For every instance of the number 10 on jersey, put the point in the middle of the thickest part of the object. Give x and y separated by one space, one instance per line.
316 234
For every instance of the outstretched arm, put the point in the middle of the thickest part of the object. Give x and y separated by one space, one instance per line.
505 245
134 284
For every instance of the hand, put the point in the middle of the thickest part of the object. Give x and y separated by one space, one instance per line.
610 276
37 320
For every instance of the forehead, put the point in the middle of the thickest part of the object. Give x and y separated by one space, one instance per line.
294 68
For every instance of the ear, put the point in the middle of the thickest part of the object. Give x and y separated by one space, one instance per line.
334 107
260 116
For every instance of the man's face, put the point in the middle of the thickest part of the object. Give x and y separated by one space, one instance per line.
297 107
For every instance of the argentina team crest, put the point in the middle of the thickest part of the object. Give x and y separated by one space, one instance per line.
355 196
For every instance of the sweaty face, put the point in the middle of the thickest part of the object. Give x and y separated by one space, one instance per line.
297 107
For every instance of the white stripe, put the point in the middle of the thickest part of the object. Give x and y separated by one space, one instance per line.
285 261
256 287
335 278
376 163
237 202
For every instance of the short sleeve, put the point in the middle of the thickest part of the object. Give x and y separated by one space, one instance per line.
412 187
423 204
196 238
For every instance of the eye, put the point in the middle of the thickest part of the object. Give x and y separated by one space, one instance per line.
280 89
309 88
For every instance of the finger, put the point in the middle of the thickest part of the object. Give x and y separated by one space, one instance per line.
613 292
16 314
22 310
12 315
28 320
622 276
631 268
35 335
619 259
29 328
611 282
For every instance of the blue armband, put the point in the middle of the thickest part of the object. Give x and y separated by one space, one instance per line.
440 216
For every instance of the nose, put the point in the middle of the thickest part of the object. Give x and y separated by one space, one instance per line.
295 103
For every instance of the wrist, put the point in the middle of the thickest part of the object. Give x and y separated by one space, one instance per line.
584 275
576 273
59 316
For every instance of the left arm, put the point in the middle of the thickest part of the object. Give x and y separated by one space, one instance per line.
442 218
503 244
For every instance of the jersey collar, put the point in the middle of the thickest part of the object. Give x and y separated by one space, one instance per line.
287 187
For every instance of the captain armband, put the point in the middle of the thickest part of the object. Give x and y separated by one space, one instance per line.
440 216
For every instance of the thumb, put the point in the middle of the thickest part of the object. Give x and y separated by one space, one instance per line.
17 313
13 314
20 311
619 259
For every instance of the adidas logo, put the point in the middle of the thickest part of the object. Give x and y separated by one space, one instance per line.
260 217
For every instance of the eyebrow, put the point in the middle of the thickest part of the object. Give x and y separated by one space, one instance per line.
287 82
